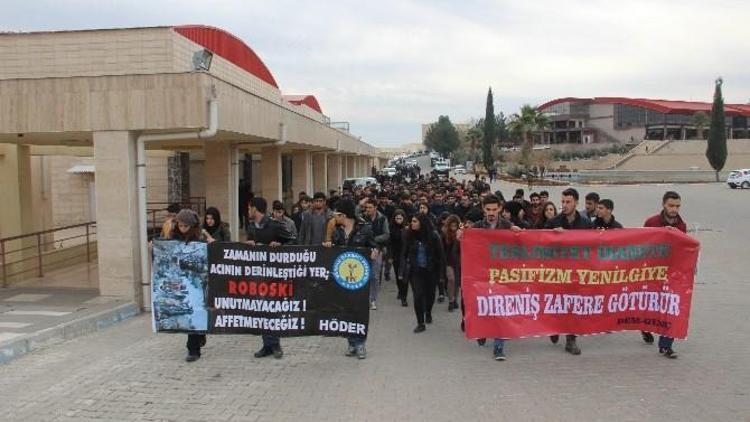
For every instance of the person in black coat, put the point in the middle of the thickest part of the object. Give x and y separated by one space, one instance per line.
353 231
452 251
213 228
263 230
395 246
423 264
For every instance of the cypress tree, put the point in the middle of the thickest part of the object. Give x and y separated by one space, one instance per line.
716 150
490 132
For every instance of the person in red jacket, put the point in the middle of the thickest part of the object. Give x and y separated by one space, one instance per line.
668 217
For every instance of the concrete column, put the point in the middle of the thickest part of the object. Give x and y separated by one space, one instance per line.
233 216
222 181
16 215
351 166
270 167
334 171
301 174
15 189
117 215
320 171
218 176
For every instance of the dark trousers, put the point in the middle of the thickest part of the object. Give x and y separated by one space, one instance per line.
401 283
423 289
441 287
271 341
665 342
195 342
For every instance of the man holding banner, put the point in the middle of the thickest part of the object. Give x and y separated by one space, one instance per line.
538 283
669 217
263 230
493 221
351 231
569 219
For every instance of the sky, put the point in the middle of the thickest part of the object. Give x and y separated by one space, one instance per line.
388 66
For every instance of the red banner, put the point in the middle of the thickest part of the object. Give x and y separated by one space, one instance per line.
543 282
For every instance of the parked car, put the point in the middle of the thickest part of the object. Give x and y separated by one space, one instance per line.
739 179
459 169
353 182
441 167
388 171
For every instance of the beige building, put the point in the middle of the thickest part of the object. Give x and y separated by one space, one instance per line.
632 120
95 125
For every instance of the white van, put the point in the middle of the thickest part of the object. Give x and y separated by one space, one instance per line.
739 178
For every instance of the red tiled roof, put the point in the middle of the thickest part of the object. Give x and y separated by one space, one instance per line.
308 100
231 48
661 106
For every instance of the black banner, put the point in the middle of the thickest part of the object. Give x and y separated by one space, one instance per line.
287 290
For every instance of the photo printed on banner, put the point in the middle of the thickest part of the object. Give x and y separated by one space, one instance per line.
179 276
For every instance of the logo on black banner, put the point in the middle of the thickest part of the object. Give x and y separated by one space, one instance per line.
351 271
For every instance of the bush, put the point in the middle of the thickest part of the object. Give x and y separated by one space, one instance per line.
569 155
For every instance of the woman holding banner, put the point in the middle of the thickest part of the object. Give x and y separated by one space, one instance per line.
352 231
187 230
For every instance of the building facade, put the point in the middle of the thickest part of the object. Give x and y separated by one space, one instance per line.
631 120
153 113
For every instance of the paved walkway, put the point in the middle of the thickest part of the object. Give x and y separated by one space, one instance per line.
26 310
126 373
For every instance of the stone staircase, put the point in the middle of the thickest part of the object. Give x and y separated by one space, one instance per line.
646 147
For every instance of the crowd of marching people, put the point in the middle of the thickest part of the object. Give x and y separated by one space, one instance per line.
413 226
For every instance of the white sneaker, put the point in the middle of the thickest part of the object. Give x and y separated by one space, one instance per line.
373 306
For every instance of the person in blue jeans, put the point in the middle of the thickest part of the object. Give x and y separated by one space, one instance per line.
262 230
493 221
351 231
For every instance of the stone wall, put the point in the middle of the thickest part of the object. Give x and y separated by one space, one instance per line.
71 202
68 199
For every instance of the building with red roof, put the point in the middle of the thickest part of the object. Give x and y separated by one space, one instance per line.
620 119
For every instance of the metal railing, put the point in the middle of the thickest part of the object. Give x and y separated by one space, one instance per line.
34 251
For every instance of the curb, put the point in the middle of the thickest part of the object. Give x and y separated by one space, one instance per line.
28 343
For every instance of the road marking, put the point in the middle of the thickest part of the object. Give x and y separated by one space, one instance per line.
27 297
14 324
40 313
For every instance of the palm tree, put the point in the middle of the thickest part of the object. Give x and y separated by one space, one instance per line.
526 122
700 120
522 126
